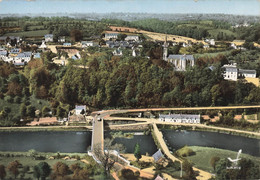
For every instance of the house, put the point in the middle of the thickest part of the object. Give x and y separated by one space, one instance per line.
180 118
158 155
237 44
14 52
43 45
67 44
206 46
230 72
48 38
111 35
10 40
181 62
37 55
62 39
85 44
132 38
3 54
246 73
118 52
80 109
23 57
210 42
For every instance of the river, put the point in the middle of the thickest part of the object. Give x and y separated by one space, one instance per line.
70 141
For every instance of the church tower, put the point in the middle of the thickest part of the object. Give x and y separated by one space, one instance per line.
165 49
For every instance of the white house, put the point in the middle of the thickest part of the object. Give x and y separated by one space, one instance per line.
48 38
118 52
3 54
62 39
43 45
23 57
230 72
180 118
132 38
67 44
85 44
111 35
78 109
247 73
210 42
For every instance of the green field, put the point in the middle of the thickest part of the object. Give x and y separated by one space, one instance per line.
25 159
203 155
28 33
212 54
214 32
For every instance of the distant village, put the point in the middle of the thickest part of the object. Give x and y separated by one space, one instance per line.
11 50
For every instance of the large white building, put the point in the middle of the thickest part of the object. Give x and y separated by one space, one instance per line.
231 72
48 38
132 38
180 118
181 62
111 35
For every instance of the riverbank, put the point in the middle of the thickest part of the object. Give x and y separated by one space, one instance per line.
202 156
46 128
202 127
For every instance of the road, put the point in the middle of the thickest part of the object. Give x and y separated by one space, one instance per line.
98 126
97 132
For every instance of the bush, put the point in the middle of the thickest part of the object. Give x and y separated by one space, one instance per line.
17 99
185 151
8 99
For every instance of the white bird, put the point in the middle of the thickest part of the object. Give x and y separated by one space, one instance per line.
237 159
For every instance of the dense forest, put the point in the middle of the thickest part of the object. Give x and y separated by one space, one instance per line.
117 82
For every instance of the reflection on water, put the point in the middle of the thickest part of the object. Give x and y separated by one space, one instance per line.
178 139
62 141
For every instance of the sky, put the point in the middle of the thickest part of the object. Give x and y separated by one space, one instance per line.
239 7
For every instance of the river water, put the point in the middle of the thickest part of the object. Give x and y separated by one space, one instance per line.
69 141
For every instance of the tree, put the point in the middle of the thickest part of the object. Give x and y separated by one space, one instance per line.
126 174
36 172
137 152
30 111
213 161
121 37
23 110
187 167
2 172
13 168
76 35
106 158
44 170
60 169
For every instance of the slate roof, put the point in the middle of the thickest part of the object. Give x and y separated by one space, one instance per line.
3 53
180 116
181 57
80 107
247 71
24 54
158 155
48 35
15 51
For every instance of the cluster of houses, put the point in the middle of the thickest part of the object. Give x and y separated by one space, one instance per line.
15 56
180 118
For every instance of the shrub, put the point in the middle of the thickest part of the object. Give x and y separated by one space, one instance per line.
8 99
185 151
